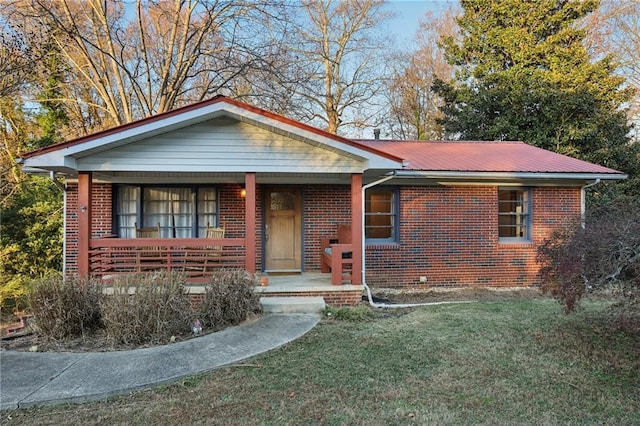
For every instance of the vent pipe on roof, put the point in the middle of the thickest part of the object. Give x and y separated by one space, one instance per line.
376 134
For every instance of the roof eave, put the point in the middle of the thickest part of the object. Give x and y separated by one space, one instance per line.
484 178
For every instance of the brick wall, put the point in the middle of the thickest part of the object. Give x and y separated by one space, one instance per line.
447 234
450 236
325 207
101 223
232 209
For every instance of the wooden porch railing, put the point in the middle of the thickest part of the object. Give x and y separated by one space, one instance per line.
195 257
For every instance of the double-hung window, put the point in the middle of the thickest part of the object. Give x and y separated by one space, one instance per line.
514 214
381 215
181 211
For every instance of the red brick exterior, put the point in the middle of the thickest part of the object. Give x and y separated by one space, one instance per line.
448 234
101 223
324 207
333 298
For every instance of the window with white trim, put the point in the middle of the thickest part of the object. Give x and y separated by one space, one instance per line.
514 214
182 212
380 217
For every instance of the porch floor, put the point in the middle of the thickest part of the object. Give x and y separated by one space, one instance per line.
305 282
308 284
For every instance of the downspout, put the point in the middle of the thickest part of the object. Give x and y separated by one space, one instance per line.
583 202
364 262
63 188
64 232
56 182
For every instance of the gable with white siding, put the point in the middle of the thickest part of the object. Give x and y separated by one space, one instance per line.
222 145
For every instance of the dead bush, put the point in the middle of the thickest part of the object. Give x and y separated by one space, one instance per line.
229 298
602 256
66 307
147 308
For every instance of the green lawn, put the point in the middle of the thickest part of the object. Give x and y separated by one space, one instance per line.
512 362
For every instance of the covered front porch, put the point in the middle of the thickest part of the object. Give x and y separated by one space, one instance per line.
103 253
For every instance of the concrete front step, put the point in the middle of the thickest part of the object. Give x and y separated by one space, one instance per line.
292 304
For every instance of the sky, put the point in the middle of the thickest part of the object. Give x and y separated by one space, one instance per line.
408 14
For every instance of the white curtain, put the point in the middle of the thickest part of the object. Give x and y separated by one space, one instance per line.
127 208
207 210
172 208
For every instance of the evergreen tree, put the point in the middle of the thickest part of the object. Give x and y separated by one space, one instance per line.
52 116
523 73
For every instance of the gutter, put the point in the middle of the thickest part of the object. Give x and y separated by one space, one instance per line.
499 176
364 262
62 187
56 182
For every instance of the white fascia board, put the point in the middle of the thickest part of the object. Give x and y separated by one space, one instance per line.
51 161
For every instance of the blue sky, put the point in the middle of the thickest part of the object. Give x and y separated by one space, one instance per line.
408 14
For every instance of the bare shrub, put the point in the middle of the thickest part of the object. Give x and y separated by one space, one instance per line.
146 308
66 307
229 298
604 255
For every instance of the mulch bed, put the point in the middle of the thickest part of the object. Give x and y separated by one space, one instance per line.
97 341
457 294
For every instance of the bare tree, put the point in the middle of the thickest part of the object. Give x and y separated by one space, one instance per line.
128 61
16 75
337 67
614 29
414 109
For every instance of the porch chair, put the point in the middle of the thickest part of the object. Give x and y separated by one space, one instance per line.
149 232
336 255
213 254
148 254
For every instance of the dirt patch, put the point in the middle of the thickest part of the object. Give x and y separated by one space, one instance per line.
456 294
30 340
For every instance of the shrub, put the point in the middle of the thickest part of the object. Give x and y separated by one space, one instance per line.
14 294
147 308
66 307
349 313
229 298
604 255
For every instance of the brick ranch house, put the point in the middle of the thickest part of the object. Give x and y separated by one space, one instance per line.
406 213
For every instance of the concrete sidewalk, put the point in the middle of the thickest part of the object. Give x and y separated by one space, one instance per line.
47 378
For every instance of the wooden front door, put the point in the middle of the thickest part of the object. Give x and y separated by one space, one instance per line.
283 230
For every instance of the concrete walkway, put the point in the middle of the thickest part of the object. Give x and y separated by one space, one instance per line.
49 378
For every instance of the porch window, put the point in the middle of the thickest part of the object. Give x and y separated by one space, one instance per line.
380 220
182 212
514 214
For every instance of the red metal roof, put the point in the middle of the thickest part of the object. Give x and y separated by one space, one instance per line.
481 156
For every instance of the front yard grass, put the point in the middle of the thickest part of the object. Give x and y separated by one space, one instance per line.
511 362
